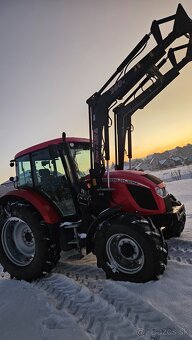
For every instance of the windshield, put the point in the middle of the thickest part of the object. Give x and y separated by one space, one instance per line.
81 155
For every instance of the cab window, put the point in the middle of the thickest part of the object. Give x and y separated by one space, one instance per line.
23 172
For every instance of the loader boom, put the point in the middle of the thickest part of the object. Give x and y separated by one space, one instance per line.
137 87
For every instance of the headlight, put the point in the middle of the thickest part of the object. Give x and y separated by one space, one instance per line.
162 192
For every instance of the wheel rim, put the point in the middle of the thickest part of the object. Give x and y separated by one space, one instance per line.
125 254
18 241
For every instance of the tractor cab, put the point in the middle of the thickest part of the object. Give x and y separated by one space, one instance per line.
45 168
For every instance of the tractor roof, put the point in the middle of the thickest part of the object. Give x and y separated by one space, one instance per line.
47 143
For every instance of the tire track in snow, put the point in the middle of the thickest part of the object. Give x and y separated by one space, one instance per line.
82 271
180 250
96 315
107 310
148 320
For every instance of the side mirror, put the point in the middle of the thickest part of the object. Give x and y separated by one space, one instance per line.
12 163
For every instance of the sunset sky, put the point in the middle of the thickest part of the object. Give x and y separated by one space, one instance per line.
54 54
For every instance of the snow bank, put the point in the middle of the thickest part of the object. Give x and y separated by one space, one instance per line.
174 174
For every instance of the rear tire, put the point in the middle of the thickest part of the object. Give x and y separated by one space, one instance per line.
130 249
26 251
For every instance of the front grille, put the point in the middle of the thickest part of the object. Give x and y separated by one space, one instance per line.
143 197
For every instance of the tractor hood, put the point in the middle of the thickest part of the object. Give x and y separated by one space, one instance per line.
134 177
137 191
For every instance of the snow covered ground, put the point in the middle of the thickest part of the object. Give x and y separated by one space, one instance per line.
83 305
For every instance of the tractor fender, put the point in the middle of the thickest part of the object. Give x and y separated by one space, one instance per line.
109 214
43 206
102 217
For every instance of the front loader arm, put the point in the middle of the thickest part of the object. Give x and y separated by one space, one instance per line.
148 68
124 111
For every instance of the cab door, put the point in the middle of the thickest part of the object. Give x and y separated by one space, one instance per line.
53 178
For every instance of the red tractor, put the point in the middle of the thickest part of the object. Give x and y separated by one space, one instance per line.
66 197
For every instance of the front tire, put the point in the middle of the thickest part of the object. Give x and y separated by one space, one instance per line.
26 251
130 249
